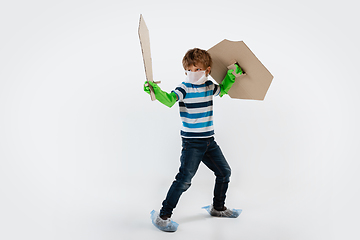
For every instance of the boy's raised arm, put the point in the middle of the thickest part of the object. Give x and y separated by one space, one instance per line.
168 99
229 80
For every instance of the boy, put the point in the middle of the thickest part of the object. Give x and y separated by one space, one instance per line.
195 97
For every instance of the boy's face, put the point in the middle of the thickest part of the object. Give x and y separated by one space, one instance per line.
198 67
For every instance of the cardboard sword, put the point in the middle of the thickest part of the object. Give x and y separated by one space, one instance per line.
146 53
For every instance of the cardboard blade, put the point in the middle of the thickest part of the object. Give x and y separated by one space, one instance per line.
252 85
146 53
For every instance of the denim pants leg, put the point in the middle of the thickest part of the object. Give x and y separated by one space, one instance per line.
194 151
191 155
215 160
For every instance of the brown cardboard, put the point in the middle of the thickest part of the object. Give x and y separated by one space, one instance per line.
145 48
252 85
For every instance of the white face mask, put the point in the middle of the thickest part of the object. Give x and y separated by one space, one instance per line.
197 78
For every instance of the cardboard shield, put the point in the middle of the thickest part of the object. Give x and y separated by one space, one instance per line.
251 85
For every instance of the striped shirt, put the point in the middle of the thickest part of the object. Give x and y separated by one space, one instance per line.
196 108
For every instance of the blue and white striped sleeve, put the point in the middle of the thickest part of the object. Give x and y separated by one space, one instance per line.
217 90
180 92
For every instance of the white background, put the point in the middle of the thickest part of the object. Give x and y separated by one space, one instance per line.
85 154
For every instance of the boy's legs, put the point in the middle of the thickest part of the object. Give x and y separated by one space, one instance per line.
192 153
215 160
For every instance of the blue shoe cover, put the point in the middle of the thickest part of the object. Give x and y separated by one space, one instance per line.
164 225
233 213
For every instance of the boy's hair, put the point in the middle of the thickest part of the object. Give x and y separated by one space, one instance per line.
196 55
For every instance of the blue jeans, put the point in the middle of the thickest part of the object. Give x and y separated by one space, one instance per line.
194 151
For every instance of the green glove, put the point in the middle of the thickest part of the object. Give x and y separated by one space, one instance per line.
168 99
229 80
